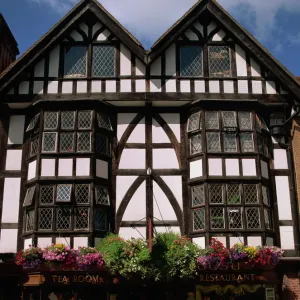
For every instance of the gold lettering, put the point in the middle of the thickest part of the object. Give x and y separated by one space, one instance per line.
235 267
54 277
60 279
202 277
207 277
233 277
88 278
246 277
222 278
80 278
240 278
75 279
65 280
95 279
252 277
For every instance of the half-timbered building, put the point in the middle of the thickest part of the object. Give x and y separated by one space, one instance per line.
99 135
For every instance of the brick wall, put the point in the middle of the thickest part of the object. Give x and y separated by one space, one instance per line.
291 287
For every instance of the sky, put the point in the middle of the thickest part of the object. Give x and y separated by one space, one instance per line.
275 23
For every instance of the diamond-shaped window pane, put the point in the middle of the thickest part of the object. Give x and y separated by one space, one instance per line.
194 122
250 193
29 196
217 220
247 143
215 192
75 61
67 142
82 193
83 141
50 120
229 119
33 122
233 194
49 141
265 195
34 145
101 220
199 219
82 218
84 119
29 221
253 218
45 218
103 121
191 61
212 120
104 61
229 142
102 195
63 218
219 61
198 196
195 144
67 120
235 217
268 219
102 145
213 142
245 120
47 194
64 192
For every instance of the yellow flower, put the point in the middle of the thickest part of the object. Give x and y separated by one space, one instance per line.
251 252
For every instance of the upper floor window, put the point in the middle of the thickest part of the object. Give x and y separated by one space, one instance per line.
191 61
219 61
76 60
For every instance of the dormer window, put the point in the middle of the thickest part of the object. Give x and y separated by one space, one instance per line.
75 62
219 61
191 61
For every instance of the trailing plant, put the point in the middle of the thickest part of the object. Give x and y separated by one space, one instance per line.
30 258
87 257
59 254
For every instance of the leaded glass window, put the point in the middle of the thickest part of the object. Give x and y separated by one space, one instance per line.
67 119
215 192
100 220
217 220
102 196
199 219
245 120
82 218
194 122
265 195
191 61
29 225
33 122
29 196
233 194
104 61
195 144
49 142
50 120
229 142
253 218
102 145
82 193
67 140
212 120
45 219
83 141
84 119
229 119
219 61
47 194
198 195
213 142
63 218
64 193
247 143
34 145
103 121
75 61
268 219
235 217
250 193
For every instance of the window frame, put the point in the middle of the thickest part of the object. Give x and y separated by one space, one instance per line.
192 45
92 57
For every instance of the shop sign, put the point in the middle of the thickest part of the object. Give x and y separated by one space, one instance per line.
231 277
79 279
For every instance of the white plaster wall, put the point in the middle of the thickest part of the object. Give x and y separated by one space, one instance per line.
76 36
221 239
48 167
191 35
140 68
199 86
82 167
170 86
125 85
264 169
125 61
270 87
54 62
53 87
214 86
124 120
8 240
283 197
236 240
158 134
63 240
65 167
44 242
255 68
249 167
140 85
185 86
11 200
228 87
254 241
155 85
241 65
200 241
96 86
24 88
101 168
38 87
39 68
232 167
133 159
287 237
256 87
96 27
173 120
31 170
122 186
215 167
138 134
127 233
280 159
80 241
165 159
104 35
218 37
67 87
13 160
84 28
198 26
16 129
81 87
175 185
27 243
171 60
155 68
243 86
136 209
163 229
211 27
162 208
111 86
196 169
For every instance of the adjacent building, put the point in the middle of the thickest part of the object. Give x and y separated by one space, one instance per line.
99 135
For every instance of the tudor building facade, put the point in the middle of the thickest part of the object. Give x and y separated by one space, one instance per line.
97 135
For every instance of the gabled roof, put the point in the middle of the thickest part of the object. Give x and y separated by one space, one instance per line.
53 35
